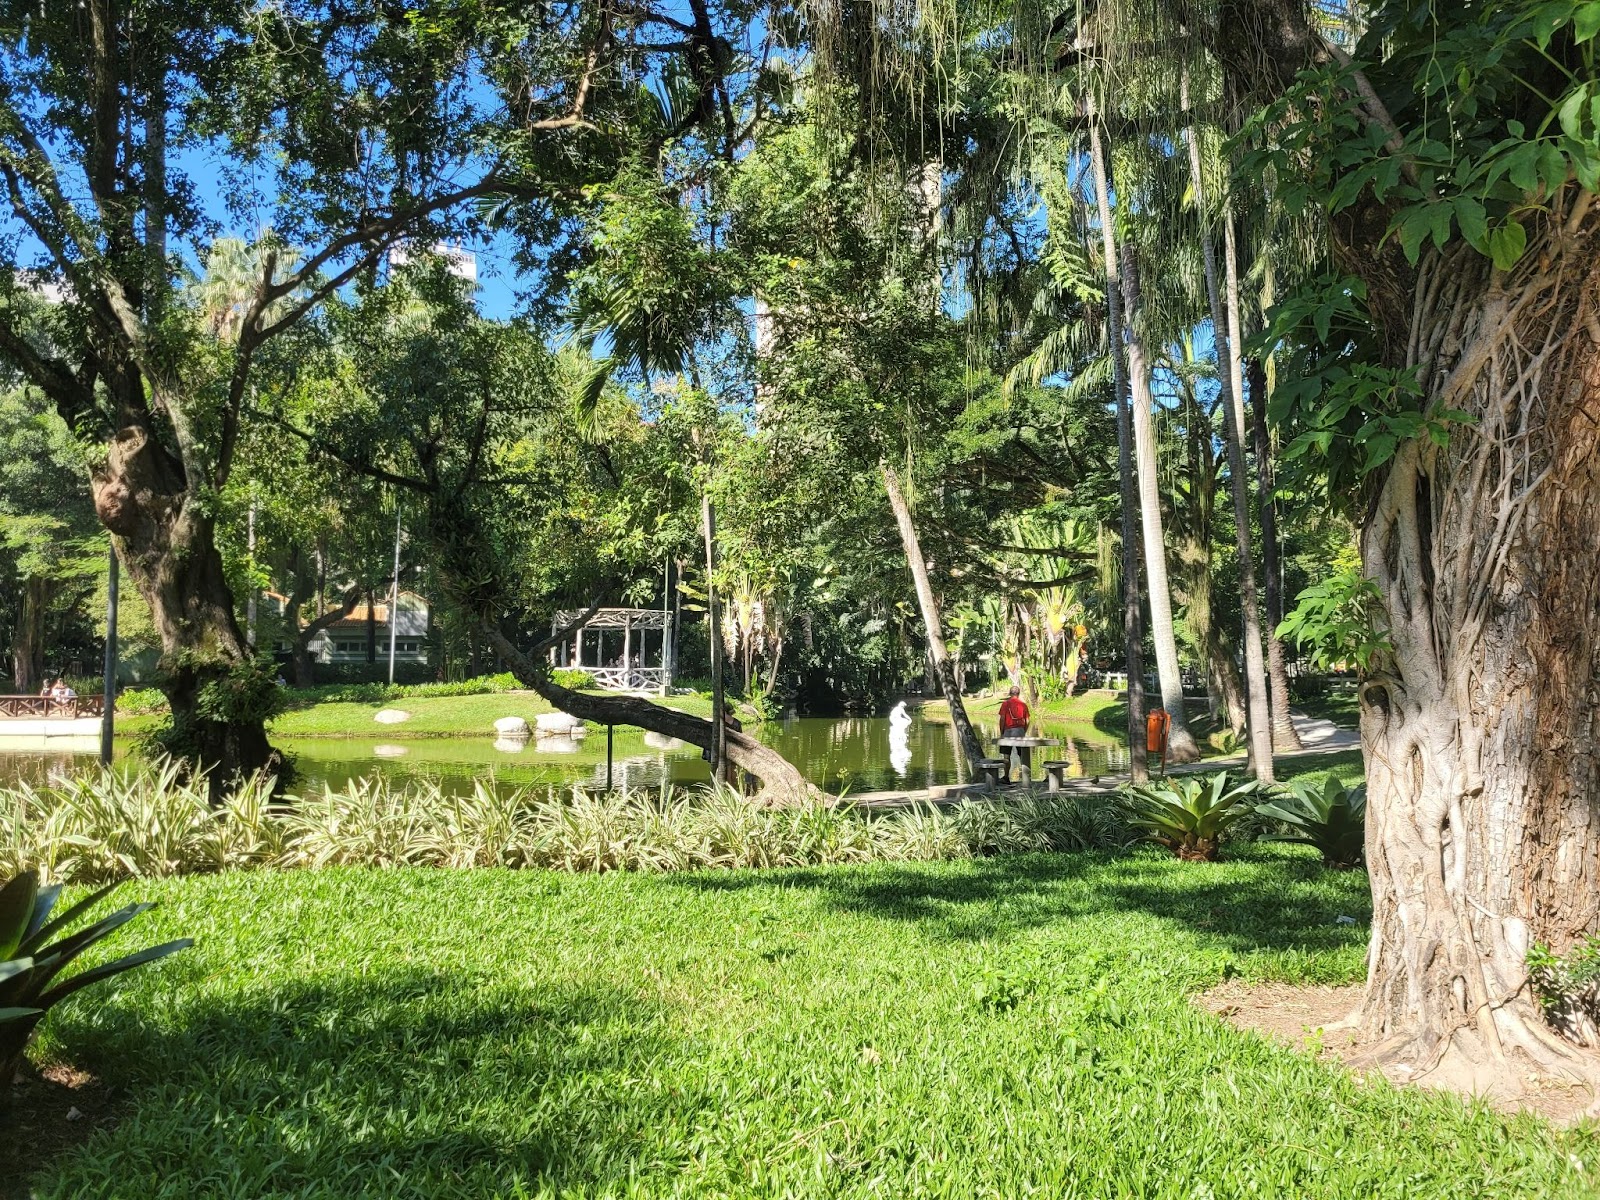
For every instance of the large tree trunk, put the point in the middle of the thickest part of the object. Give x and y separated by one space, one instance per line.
933 628
781 781
167 545
1284 735
27 642
1132 617
1181 747
1482 734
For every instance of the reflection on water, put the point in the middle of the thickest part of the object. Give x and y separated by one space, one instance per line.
840 754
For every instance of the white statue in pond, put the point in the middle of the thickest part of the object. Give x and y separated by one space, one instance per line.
899 739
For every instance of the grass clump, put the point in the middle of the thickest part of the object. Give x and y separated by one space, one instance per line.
154 822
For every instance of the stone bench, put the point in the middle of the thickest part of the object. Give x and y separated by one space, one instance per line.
991 772
1055 774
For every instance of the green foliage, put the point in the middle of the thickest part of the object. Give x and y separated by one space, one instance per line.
379 693
1188 814
1568 985
155 822
35 949
571 677
138 702
246 694
1322 813
1339 622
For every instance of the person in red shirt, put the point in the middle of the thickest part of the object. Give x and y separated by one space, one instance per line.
1014 715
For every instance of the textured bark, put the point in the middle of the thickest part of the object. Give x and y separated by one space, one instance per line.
1132 617
1181 746
781 781
1482 734
27 641
933 627
1284 736
167 545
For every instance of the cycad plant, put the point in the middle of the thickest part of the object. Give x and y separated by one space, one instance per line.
1324 814
33 953
1189 814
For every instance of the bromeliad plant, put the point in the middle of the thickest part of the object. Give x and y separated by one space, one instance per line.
34 950
1188 814
1324 814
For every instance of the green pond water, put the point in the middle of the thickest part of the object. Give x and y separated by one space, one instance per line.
848 754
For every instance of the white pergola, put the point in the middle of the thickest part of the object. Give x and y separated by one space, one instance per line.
627 672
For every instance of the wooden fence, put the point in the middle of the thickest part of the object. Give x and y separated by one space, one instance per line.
35 707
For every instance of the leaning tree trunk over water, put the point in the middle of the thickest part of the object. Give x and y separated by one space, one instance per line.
782 784
1482 734
933 628
165 537
1181 746
1132 617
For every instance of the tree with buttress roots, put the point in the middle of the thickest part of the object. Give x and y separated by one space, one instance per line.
1445 371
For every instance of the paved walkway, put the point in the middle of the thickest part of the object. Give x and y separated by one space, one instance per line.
1317 736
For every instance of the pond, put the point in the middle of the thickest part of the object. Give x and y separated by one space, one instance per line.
839 754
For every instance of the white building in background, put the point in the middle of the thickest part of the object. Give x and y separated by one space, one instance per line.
345 641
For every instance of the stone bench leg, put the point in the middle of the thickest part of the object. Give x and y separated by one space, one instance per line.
1056 775
992 772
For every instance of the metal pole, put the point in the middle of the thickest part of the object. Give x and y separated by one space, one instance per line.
609 728
394 591
109 678
714 631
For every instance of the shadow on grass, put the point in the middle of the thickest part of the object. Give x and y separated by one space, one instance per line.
1264 900
404 1084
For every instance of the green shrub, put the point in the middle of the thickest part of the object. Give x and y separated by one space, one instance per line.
382 693
32 958
138 702
1188 814
572 678
1568 987
152 821
1325 814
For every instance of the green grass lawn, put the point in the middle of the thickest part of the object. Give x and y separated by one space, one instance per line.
1004 1027
431 716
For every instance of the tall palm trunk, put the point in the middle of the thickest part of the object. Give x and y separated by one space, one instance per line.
1225 325
938 655
1181 747
1284 736
1132 618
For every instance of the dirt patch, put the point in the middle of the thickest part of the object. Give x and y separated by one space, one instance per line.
52 1111
1310 1018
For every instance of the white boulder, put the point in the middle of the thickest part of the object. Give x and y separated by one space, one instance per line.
511 745
661 741
558 724
389 750
512 727
558 743
391 716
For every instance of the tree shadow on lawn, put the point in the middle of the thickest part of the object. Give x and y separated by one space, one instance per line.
414 1084
1264 900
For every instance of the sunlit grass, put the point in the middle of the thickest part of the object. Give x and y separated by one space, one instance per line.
1002 1027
